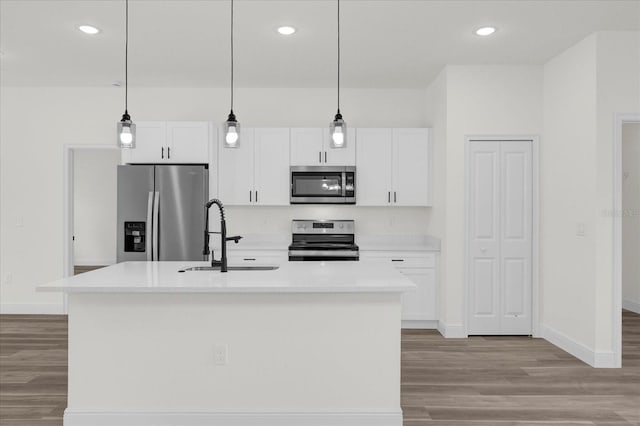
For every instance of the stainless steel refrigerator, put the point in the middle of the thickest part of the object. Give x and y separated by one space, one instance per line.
161 212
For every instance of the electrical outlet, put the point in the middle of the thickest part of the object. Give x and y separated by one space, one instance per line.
8 279
581 230
220 354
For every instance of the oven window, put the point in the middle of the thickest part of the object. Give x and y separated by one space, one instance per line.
313 184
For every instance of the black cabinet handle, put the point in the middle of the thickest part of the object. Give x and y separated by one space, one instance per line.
397 260
168 152
250 196
162 154
394 197
319 156
249 258
389 197
256 196
325 156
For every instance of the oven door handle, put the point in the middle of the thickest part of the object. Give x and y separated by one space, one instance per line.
324 253
344 184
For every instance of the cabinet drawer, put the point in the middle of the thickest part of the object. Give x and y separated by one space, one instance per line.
263 257
402 260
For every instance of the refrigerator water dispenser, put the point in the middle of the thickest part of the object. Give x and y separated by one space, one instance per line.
134 236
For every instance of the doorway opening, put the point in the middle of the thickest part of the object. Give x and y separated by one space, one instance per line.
626 216
90 207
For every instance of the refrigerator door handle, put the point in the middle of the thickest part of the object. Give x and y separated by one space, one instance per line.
149 225
156 216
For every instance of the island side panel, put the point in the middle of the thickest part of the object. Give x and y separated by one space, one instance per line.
288 352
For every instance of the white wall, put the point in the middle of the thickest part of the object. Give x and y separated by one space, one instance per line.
95 195
481 100
436 113
568 176
631 215
584 88
37 122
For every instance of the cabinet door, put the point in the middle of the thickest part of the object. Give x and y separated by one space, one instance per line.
422 303
235 171
411 167
306 147
151 144
188 141
271 181
373 167
339 156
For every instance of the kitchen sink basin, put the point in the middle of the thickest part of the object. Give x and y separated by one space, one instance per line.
230 268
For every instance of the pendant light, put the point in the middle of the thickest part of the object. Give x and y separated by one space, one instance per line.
231 126
126 128
338 128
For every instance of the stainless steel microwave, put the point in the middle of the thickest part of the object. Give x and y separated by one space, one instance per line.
323 185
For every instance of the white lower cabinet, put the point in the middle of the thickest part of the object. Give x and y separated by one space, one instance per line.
258 257
419 307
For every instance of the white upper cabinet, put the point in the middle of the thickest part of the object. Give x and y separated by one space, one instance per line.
257 171
170 142
235 170
271 181
412 167
393 167
311 147
188 141
373 167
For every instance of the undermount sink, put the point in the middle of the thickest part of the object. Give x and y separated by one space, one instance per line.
230 268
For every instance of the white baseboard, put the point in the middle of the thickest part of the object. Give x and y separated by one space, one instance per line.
601 359
420 324
631 305
32 309
452 331
76 417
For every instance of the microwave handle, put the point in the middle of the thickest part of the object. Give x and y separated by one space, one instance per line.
344 184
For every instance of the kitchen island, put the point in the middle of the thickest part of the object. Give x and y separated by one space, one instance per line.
310 343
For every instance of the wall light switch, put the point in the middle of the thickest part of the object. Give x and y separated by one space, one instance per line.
581 230
20 222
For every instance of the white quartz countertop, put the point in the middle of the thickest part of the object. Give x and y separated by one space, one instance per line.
291 277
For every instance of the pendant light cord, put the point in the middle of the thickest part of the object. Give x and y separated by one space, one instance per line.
126 58
231 55
338 56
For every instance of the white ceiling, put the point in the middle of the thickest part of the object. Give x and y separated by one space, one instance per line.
385 44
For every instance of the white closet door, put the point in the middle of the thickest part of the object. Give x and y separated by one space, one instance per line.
516 189
500 237
484 235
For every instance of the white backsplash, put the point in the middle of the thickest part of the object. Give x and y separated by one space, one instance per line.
369 220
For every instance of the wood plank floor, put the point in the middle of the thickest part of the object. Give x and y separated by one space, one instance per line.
479 381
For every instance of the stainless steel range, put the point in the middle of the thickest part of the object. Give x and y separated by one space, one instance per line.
323 240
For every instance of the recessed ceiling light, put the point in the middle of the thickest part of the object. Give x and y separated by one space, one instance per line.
286 30
485 31
88 29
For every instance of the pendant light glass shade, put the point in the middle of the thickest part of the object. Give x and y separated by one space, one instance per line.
231 132
338 132
231 126
126 132
338 128
126 129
